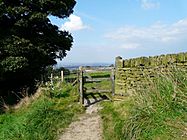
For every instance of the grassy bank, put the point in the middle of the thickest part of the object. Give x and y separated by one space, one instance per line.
44 118
113 116
157 112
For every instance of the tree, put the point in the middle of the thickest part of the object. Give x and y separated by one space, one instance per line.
29 42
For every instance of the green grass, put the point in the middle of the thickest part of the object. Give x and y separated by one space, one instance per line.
157 112
160 111
102 74
104 84
113 117
101 85
71 76
44 119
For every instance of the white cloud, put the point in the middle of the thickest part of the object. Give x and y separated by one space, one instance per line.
74 24
149 4
132 37
130 46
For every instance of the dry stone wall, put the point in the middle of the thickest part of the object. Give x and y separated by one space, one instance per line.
134 73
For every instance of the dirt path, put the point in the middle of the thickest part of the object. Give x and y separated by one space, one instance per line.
88 126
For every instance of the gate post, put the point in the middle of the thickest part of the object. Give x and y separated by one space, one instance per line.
81 85
113 81
51 78
62 76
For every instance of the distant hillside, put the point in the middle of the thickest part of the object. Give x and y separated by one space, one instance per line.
73 66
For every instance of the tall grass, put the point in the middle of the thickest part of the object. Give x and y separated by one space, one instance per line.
159 111
44 119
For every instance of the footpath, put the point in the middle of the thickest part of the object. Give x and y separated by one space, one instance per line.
87 127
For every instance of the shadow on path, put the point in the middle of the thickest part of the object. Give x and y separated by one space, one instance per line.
93 98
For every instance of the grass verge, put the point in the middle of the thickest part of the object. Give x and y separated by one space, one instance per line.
157 112
44 119
113 117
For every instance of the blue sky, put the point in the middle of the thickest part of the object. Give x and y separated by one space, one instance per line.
104 29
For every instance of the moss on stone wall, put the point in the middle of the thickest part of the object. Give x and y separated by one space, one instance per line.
131 73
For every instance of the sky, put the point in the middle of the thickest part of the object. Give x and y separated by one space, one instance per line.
105 29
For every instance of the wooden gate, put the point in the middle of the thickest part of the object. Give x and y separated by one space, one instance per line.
96 83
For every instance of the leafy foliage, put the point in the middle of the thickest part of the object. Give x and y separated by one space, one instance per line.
29 42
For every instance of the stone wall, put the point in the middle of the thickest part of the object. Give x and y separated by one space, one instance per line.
131 74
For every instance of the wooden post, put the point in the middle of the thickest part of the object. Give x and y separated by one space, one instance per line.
113 81
51 79
78 81
51 85
62 76
81 86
